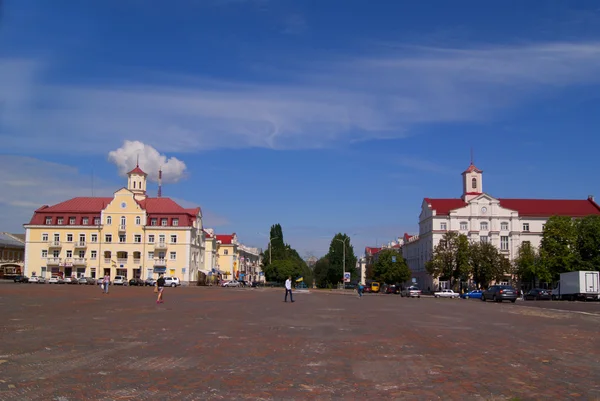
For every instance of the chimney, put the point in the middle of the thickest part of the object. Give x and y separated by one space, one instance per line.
160 182
591 197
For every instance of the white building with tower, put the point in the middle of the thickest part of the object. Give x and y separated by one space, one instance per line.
506 223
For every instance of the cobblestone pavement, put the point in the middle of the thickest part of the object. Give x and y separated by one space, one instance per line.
67 342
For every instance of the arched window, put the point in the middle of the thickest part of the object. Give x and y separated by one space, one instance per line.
109 220
474 183
134 185
123 221
138 220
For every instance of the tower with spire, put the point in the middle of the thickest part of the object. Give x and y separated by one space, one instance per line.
472 181
136 181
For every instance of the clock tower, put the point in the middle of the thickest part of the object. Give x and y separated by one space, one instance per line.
472 182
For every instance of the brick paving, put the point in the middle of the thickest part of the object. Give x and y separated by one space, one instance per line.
67 342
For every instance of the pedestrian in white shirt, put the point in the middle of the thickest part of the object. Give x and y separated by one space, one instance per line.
288 288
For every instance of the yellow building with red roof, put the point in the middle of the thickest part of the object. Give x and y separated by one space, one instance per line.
129 234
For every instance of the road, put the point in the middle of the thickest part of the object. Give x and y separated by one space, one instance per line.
62 342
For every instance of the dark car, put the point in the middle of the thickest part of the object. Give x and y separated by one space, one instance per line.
21 279
538 294
392 289
499 293
136 281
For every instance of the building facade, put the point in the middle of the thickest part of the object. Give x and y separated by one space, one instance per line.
249 264
505 223
129 234
12 255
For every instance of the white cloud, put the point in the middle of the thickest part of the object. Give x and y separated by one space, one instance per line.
381 96
150 160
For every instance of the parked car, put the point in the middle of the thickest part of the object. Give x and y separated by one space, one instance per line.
120 280
21 279
172 282
37 280
136 281
232 283
411 292
537 294
150 282
55 280
392 289
499 293
70 280
446 294
87 280
472 294
82 280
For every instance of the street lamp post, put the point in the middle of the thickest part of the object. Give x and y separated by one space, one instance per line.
271 239
344 260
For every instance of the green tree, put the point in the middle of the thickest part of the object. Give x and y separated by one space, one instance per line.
278 251
487 263
391 267
335 256
528 267
462 268
558 249
588 243
450 259
324 275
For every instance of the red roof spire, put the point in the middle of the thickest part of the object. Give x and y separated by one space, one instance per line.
137 169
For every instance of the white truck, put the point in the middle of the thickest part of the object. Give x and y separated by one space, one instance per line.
578 285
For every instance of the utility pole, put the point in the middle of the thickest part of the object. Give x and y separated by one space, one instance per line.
344 259
271 239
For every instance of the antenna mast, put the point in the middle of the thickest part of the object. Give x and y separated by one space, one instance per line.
160 182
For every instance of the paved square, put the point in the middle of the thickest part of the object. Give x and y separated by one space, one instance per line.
63 342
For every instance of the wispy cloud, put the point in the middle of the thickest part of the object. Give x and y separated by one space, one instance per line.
377 96
29 183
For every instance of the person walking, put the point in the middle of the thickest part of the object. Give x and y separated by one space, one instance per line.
288 288
160 284
359 289
105 283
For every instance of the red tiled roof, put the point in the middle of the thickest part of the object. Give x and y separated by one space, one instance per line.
78 205
551 207
92 207
225 239
161 206
443 206
207 234
372 251
137 170
527 207
472 168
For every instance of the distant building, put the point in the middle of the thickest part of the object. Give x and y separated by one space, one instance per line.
506 223
12 255
128 234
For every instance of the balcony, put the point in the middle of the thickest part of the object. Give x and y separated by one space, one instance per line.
160 245
160 262
52 261
107 261
122 228
137 261
54 244
79 261
81 244
121 261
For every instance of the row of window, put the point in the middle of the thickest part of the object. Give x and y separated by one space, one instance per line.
137 238
108 255
12 255
483 226
123 221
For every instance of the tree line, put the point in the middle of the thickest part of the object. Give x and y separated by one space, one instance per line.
567 245
280 260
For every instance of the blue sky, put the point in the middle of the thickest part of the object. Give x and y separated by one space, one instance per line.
320 117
